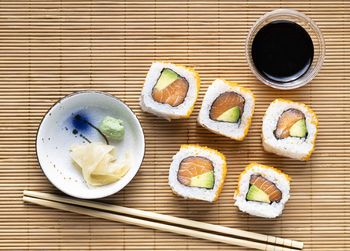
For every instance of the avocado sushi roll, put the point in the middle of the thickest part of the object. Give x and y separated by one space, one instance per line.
227 109
262 191
289 129
170 91
197 173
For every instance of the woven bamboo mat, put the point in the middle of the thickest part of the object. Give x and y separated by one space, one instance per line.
51 48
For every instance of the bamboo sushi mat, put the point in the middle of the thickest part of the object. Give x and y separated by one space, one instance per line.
49 49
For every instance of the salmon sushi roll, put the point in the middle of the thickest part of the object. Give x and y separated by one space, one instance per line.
289 129
262 191
197 173
170 91
227 109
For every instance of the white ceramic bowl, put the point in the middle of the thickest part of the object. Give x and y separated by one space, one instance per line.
59 130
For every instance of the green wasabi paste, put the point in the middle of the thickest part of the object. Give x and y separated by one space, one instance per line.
112 128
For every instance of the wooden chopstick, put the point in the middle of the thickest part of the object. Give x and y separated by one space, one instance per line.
53 201
169 219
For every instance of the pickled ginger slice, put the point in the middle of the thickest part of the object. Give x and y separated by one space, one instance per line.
98 163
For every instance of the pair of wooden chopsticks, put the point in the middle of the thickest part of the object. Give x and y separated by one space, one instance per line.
257 241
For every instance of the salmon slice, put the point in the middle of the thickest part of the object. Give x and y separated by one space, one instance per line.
287 119
267 186
224 102
191 167
174 94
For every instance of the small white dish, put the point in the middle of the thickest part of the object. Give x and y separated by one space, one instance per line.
60 129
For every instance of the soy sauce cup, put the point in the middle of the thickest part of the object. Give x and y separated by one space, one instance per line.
313 31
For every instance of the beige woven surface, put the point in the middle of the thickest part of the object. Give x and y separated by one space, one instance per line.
51 48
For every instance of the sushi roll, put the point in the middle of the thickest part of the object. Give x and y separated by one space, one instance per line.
227 109
197 173
170 90
289 129
262 191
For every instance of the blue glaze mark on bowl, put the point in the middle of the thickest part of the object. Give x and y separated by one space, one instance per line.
80 122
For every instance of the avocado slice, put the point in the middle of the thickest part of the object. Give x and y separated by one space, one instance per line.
256 194
205 180
298 129
231 115
166 78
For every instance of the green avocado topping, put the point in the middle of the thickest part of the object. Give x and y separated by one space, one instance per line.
256 194
166 78
231 115
298 129
205 180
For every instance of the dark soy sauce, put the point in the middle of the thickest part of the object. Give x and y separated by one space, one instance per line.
282 51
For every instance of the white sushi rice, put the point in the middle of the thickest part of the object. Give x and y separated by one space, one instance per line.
292 147
256 208
197 193
148 104
232 130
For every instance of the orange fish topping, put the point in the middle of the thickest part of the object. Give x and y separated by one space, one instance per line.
191 167
224 102
287 119
267 186
174 94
